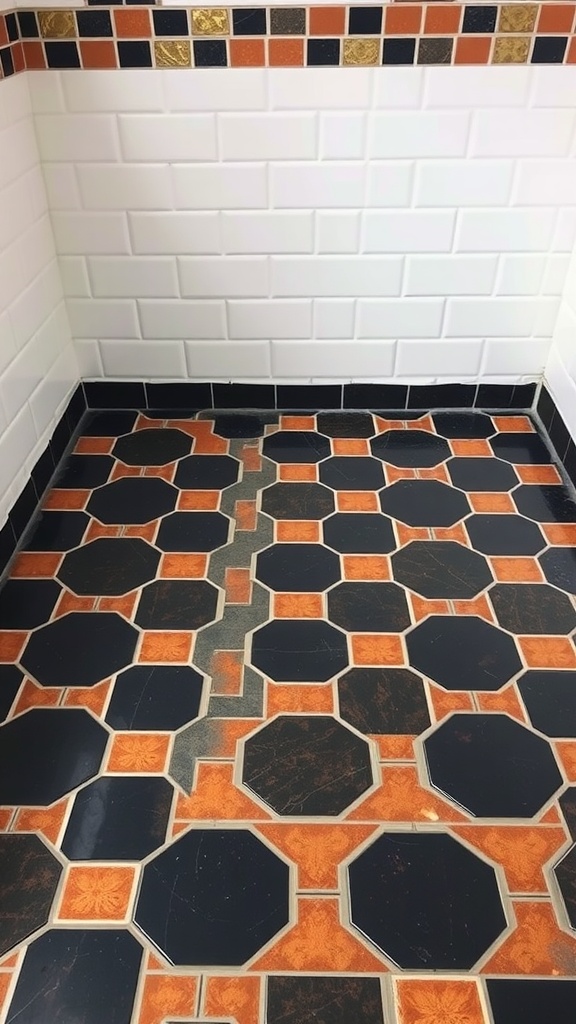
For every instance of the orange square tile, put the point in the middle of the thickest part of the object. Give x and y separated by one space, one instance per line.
491 502
298 530
314 699
538 474
167 995
403 20
377 649
307 473
357 501
139 752
133 24
556 17
473 50
285 53
513 424
245 515
238 997
11 645
350 446
442 19
4 32
33 55
467 448
28 564
518 570
571 54
562 534
98 53
298 606
238 586
433 1001
183 566
366 567
227 672
195 501
97 893
166 646
327 21
246 53
548 651
66 499
124 605
394 748
94 445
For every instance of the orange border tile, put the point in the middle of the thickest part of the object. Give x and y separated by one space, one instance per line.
134 24
300 422
562 534
33 696
246 53
97 893
556 18
571 54
139 752
421 607
246 515
285 53
475 50
444 702
394 748
442 19
402 798
98 53
69 602
34 55
403 20
94 445
327 21
567 754
46 820
502 700
522 850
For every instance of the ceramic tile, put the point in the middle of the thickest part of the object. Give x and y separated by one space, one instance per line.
30 874
441 569
424 502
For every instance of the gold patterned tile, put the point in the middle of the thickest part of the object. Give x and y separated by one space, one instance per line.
57 24
210 21
511 50
517 17
361 51
173 53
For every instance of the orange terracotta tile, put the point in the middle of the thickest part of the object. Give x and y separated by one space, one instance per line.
435 1001
66 499
123 605
357 501
46 820
238 585
567 755
307 473
139 752
32 696
245 515
132 24
94 445
11 644
5 981
167 995
402 798
366 567
382 425
97 893
198 500
502 700
146 532
520 570
178 827
467 448
394 473
421 607
550 817
522 850
548 651
424 423
444 702
99 53
538 474
556 17
473 50
299 422
166 646
18 57
442 19
216 797
492 502
394 748
9 962
6 814
479 606
319 942
513 424
120 470
251 459
562 534
4 34
298 606
327 21
376 649
72 603
145 422
409 533
205 441
435 473
164 472
317 850
96 529
30 565
350 446
298 530
92 697
237 997
246 53
571 54
457 533
536 946
34 58
227 672
285 53
183 566
154 963
404 20
314 699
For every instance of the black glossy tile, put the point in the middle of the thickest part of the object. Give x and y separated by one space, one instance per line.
298 567
441 569
6 62
207 472
524 1001
521 449
177 604
231 425
559 436
46 752
546 407
43 472
249 21
62 54
79 649
401 887
301 766
57 531
296 446
59 440
545 504
215 896
549 50
299 999
115 395
369 607
504 535
108 424
153 447
439 51
412 449
244 396
193 531
118 818
568 807
375 396
385 701
94 23
482 474
10 679
309 396
155 698
532 608
29 876
463 424
559 568
570 462
132 500
298 501
364 21
440 396
424 503
7 545
492 765
84 471
11 26
463 652
479 18
550 699
505 396
28 25
398 51
71 974
23 510
179 396
25 604
299 651
76 408
134 53
323 51
359 533
289 21
109 566
171 23
352 473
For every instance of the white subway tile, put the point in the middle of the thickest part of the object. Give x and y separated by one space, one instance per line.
228 360
16 444
268 136
317 185
19 150
90 233
220 186
399 318
269 319
16 212
37 191
521 132
223 277
63 137
546 316
505 356
175 233
26 371
35 304
121 187
390 183
408 230
334 318
133 277
36 247
7 341
337 231
333 359
160 137
555 274
418 134
153 358
520 274
439 358
62 187
46 93
563 340
450 275
164 319
545 183
53 389
342 136
319 89
526 230
74 277
473 87
337 276
88 356
463 183
209 89
562 385
468 318
564 237
16 102
12 279
267 232
554 86
112 91
103 318
398 87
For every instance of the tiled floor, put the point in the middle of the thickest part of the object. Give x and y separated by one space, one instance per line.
289 732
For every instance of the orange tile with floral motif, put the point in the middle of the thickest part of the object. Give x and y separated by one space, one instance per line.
502 700
377 649
197 501
216 797
139 752
522 850
237 997
298 606
548 651
357 501
302 530
312 699
97 893
436 1001
401 798
33 696
536 946
166 995
445 702
92 697
48 821
318 850
394 748
516 570
188 567
422 607
164 645
567 755
289 473
478 606
350 446
366 567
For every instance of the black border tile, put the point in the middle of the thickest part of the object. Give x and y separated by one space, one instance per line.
210 53
244 396
178 396
432 50
76 408
249 21
549 49
94 24
28 25
170 23
43 472
441 396
105 394
23 509
479 19
545 407
309 396
399 50
7 62
7 545
62 53
375 396
365 21
559 435
134 53
523 397
570 461
323 51
60 439
12 27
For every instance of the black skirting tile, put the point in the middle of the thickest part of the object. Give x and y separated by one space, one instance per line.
28 25
210 53
108 424
179 396
346 424
309 396
375 396
112 395
323 51
244 396
171 23
43 472
84 471
398 51
134 53
364 21
23 510
94 23
441 396
62 54
249 21
479 19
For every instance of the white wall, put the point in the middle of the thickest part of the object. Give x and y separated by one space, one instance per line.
38 367
561 367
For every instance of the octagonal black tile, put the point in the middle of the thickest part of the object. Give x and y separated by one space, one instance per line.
463 424
565 871
29 876
491 765
155 697
177 604
10 680
302 766
25 604
298 567
481 474
132 500
567 803
118 818
359 533
345 424
424 503
152 447
106 423
385 701
46 752
369 607
559 568
296 446
73 974
299 999
463 652
193 531
521 449
545 503
504 535
299 651
109 565
57 531
401 888
412 449
237 424
79 649
441 569
531 1001
297 501
214 897
550 699
352 473
84 471
532 608
207 472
